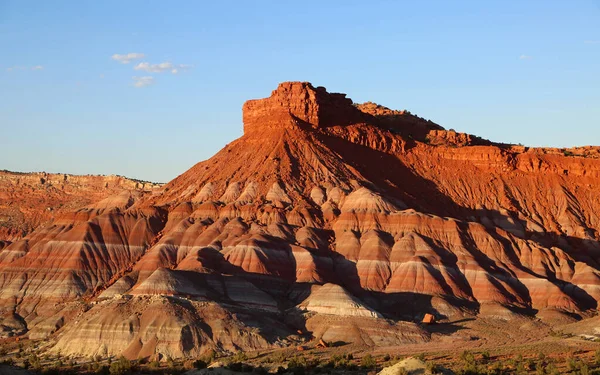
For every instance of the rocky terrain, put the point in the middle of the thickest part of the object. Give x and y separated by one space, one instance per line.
325 221
31 200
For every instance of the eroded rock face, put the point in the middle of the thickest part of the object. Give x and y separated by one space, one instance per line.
31 200
321 217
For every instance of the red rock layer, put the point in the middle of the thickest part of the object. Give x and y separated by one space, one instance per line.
393 226
31 200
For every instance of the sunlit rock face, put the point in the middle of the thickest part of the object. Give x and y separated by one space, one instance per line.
343 221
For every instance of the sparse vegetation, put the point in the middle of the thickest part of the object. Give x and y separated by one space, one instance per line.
368 361
121 366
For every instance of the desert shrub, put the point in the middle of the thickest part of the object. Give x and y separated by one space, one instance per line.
497 368
297 361
467 357
154 364
387 357
433 367
469 365
342 364
170 362
34 362
235 366
200 364
93 367
571 364
368 361
337 361
120 367
420 356
529 364
240 356
277 357
583 369
485 355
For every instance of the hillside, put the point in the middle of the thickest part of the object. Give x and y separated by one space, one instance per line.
325 220
31 200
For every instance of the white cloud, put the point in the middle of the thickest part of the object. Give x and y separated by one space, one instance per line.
142 81
525 57
21 67
161 67
127 58
154 68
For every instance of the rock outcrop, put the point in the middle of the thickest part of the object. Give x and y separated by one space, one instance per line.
32 200
343 221
299 103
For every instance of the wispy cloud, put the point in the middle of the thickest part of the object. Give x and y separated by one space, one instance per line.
525 57
128 57
21 67
162 67
592 42
142 81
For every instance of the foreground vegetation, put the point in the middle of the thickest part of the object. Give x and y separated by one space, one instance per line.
33 357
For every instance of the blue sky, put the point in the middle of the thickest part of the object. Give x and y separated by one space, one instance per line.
512 71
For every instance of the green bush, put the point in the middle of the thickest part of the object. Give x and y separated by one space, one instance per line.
240 356
35 362
571 364
368 361
121 366
297 361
